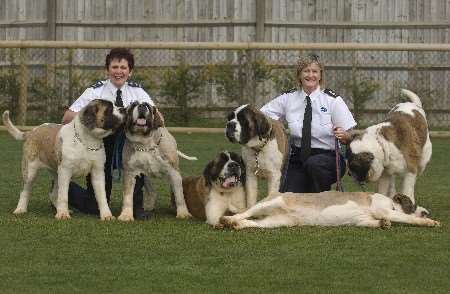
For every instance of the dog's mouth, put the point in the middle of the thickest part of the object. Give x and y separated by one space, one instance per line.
229 181
140 122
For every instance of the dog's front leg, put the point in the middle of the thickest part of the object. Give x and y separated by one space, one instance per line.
251 188
98 183
408 183
177 188
384 185
214 210
128 183
62 207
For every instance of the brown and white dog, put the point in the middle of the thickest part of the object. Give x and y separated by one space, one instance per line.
264 147
150 150
329 209
399 146
219 190
74 149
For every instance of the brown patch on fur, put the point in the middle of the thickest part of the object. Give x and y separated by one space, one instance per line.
405 202
196 194
42 143
261 125
409 134
279 133
325 199
158 120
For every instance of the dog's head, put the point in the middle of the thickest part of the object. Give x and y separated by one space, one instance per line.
142 118
102 117
226 171
246 123
363 155
404 204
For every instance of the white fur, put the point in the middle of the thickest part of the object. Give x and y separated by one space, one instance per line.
277 212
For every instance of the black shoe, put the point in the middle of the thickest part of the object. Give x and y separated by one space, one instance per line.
140 214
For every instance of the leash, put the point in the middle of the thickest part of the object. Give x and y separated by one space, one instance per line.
339 186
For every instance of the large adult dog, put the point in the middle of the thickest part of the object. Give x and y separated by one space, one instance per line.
329 209
74 149
399 146
219 190
150 150
264 147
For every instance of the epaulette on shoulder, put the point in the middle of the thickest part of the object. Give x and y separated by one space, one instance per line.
331 93
289 91
134 84
96 85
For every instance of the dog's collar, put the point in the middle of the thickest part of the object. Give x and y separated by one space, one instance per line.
143 148
78 138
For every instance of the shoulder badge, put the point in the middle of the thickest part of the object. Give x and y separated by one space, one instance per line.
134 84
96 85
331 93
289 91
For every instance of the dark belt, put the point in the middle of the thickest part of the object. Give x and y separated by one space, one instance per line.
314 151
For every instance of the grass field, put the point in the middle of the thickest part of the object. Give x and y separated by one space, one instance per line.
165 255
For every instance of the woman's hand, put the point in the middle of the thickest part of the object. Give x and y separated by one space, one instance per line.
342 135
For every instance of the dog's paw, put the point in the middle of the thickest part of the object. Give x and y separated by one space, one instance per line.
183 213
19 211
62 215
218 226
109 217
385 224
226 221
126 217
433 223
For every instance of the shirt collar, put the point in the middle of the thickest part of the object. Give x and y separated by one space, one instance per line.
314 94
113 88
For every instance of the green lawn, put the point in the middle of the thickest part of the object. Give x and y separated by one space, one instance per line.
164 255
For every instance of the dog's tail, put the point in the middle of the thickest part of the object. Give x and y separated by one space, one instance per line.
413 97
12 129
181 154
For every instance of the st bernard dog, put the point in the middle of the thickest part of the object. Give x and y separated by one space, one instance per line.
329 208
151 150
399 146
264 147
220 190
74 149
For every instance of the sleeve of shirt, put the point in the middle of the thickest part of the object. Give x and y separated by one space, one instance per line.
275 108
341 115
83 100
144 97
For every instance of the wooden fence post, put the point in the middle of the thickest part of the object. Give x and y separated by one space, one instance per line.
22 115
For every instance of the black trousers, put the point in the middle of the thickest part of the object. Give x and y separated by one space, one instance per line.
316 174
84 200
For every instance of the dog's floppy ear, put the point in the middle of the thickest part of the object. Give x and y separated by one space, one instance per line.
88 115
262 123
238 158
405 202
209 172
158 119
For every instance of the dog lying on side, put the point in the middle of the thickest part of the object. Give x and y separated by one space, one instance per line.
329 209
264 147
74 149
150 150
219 190
399 146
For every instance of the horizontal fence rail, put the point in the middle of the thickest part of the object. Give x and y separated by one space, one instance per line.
39 79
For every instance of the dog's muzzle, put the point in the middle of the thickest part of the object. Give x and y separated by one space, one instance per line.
230 130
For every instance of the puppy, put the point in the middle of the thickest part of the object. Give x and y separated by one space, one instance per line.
150 150
329 209
264 147
219 190
74 149
399 146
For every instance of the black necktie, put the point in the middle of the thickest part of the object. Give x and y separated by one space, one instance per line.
119 102
305 149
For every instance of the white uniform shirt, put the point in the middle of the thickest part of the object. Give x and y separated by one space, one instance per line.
328 112
107 91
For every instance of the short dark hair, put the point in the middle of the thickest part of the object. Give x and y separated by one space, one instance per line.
120 53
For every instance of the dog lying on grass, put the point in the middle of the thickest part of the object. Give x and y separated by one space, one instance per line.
329 209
